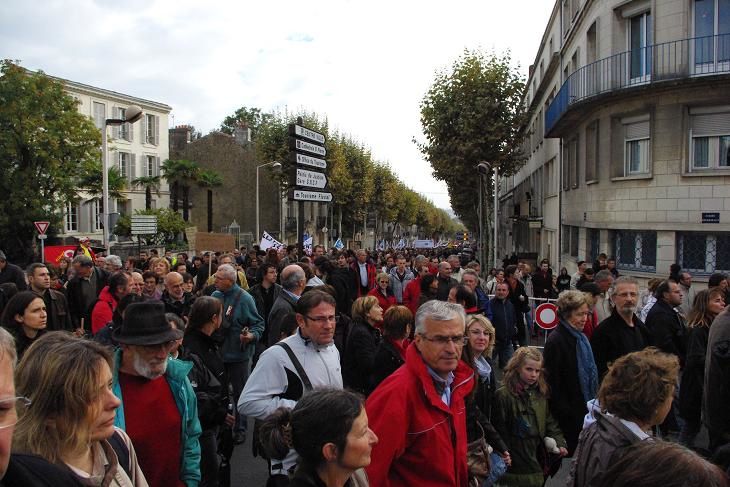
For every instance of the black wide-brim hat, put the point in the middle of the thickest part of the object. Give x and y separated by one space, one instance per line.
145 324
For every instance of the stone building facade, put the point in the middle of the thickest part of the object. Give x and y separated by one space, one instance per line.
630 134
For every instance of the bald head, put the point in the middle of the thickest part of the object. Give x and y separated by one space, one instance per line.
293 279
174 285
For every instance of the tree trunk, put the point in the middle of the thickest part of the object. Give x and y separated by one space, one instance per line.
174 196
210 210
148 198
186 206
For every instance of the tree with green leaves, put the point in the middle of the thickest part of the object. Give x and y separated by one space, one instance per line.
252 117
209 179
181 174
473 113
46 147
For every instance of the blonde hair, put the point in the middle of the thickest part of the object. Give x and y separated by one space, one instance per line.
362 306
511 378
60 374
483 321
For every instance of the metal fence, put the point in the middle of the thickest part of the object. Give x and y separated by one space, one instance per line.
673 60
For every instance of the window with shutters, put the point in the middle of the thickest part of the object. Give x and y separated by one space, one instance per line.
71 218
151 129
96 216
709 141
592 152
99 115
636 145
124 164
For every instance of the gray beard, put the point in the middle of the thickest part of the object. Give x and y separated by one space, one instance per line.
144 370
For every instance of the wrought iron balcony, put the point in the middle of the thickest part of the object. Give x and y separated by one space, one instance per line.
669 61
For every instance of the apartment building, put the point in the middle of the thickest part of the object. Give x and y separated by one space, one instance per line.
629 139
136 150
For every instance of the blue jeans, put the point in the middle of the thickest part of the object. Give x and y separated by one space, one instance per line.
498 468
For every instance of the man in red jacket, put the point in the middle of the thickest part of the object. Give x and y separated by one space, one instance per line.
413 288
418 412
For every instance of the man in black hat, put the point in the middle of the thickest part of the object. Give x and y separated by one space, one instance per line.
158 402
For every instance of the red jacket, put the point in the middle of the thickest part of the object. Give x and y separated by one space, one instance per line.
372 272
103 310
411 294
385 302
422 441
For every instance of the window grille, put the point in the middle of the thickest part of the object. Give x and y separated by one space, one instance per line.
703 253
635 250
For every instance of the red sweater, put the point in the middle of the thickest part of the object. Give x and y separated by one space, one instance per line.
153 422
103 310
411 294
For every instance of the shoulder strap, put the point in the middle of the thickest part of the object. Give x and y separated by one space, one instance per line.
120 448
297 365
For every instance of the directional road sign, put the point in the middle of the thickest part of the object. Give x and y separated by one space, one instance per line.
144 224
42 227
305 133
304 146
302 195
311 179
306 160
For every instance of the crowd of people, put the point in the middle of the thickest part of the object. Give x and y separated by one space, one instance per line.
358 368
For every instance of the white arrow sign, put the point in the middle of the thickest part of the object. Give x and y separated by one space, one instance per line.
311 161
312 179
308 134
300 195
312 148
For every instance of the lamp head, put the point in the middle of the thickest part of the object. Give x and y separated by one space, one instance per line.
276 166
132 114
484 168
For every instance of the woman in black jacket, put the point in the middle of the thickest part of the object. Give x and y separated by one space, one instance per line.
708 303
569 366
361 345
391 353
340 278
209 380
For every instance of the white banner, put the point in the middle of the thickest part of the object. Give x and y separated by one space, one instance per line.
267 242
423 244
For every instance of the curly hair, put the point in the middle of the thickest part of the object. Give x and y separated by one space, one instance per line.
637 383
511 378
570 301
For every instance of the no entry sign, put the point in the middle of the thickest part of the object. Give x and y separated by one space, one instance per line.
546 316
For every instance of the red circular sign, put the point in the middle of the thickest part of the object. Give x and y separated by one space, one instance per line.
546 316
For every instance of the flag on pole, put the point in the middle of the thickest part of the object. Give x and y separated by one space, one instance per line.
307 239
339 245
267 242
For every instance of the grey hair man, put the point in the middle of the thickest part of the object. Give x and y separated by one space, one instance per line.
433 383
112 263
622 332
688 292
604 281
293 282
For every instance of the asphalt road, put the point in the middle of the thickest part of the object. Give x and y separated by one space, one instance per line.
247 470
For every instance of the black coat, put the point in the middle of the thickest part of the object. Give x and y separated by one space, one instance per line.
179 308
78 307
34 471
445 285
560 363
693 375
668 333
284 308
342 281
13 273
208 377
387 361
614 338
519 299
504 319
359 360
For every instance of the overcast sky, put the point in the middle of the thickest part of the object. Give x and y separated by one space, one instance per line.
366 65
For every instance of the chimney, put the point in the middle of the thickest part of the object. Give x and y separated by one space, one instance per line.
242 134
180 136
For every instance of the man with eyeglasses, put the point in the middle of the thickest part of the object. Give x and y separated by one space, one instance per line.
622 332
277 381
159 409
418 411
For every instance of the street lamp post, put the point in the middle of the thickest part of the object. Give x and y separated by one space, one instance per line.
131 115
275 165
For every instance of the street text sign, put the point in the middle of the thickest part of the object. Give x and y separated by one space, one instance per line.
306 160
311 179
308 147
302 195
306 133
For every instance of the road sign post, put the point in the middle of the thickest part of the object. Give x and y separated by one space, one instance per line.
307 152
42 228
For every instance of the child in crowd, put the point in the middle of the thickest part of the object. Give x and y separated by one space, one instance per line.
523 420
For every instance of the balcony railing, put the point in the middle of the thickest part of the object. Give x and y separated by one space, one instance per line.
668 61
